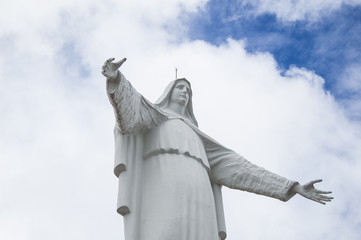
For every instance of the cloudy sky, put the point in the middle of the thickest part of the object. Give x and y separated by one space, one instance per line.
277 81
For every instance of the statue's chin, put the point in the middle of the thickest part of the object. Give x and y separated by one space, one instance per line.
183 102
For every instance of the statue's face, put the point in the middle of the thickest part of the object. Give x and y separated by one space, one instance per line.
180 93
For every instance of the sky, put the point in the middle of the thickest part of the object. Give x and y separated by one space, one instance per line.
276 81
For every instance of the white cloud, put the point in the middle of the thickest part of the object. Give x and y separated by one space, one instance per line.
56 144
349 86
351 80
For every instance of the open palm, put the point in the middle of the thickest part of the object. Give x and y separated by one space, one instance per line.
110 68
310 192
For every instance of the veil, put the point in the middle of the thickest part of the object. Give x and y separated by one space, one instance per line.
163 100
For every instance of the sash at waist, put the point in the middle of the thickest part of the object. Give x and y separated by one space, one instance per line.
175 137
153 153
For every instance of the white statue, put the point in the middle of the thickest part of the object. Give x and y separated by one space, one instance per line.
171 173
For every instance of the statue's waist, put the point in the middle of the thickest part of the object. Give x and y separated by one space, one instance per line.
202 158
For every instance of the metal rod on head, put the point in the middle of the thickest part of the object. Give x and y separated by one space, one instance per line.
176 70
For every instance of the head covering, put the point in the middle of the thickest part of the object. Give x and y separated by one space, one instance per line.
163 100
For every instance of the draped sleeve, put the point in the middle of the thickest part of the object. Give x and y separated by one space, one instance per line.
133 113
230 169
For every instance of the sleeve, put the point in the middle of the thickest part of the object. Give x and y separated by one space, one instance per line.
133 113
232 170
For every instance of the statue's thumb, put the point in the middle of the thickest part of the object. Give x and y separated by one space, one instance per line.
120 63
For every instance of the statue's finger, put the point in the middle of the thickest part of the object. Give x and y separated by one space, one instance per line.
324 198
315 181
319 200
120 63
110 60
327 198
324 192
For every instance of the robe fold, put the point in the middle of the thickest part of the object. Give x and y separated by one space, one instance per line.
170 172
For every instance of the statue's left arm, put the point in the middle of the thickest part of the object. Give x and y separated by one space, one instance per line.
232 170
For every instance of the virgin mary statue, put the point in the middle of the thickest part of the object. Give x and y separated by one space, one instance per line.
170 172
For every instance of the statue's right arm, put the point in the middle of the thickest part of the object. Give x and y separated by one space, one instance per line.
133 113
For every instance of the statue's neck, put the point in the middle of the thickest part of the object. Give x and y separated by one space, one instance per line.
179 109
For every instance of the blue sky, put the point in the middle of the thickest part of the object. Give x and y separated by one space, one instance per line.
326 46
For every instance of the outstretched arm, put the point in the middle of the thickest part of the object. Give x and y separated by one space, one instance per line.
310 192
230 169
133 112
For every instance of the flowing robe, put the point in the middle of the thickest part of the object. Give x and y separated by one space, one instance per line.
170 172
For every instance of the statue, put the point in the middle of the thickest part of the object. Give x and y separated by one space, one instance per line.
170 172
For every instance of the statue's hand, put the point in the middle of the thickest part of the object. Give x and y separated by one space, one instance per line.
310 192
110 68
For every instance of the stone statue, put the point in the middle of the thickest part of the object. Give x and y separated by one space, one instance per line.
170 172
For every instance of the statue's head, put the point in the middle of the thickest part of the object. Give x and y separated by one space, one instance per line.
178 91
181 92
